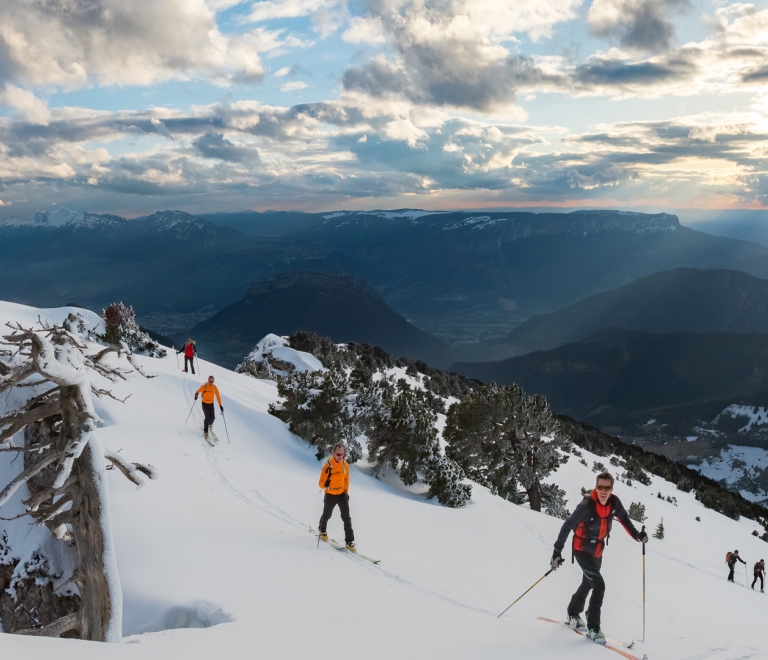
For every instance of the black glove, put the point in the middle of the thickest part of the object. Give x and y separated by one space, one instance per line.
557 560
643 537
222 409
347 497
195 397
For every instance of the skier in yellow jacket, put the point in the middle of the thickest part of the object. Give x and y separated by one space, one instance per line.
209 390
334 480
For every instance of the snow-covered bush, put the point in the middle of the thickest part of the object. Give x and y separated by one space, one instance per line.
504 439
659 533
554 501
636 512
319 407
446 483
120 327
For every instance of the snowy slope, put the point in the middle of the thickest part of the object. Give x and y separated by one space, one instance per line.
216 560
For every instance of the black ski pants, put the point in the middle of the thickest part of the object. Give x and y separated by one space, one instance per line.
759 574
591 581
210 416
329 504
730 572
189 361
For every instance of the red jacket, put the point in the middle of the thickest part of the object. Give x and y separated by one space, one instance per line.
190 350
591 524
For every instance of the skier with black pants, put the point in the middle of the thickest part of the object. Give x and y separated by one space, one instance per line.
731 558
189 350
209 390
591 526
759 573
334 480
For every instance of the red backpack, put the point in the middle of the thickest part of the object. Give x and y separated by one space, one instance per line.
728 557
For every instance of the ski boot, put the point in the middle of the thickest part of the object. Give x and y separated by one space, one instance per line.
351 547
324 536
205 434
576 622
596 635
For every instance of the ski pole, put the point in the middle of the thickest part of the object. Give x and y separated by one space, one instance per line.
190 410
225 424
746 576
177 358
529 588
643 531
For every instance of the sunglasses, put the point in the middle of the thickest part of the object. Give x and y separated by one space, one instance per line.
341 454
604 488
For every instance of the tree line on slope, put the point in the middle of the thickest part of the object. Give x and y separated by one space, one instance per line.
497 436
709 492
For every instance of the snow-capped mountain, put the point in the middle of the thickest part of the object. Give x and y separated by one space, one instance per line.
216 558
63 217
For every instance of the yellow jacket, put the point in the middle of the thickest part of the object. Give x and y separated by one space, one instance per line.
208 391
339 476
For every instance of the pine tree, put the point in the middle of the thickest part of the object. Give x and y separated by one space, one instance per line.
120 327
659 533
504 439
316 406
636 512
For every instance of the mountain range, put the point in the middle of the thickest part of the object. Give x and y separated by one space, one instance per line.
680 300
460 275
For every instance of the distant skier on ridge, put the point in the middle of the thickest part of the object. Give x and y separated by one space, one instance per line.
731 558
760 573
591 525
189 350
209 390
334 480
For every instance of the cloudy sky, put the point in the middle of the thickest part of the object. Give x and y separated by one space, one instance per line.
130 106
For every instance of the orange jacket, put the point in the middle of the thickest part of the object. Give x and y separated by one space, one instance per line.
208 391
339 476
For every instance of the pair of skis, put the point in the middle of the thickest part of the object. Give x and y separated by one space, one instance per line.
336 545
610 644
213 440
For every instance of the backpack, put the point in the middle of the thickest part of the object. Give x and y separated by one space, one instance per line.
330 469
728 557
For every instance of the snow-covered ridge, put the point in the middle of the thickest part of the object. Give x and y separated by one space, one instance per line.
754 416
388 215
273 354
63 217
216 558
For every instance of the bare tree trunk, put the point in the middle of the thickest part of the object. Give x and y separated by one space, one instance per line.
95 602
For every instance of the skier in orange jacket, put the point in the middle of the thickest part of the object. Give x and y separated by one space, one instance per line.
209 390
334 480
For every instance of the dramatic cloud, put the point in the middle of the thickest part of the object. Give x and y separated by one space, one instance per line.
637 24
454 54
413 101
120 42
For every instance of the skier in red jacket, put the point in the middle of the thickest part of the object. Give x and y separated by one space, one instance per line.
189 350
591 525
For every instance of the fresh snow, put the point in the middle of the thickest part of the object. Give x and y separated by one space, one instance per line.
277 347
216 560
